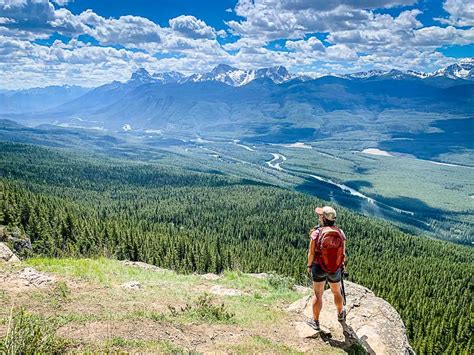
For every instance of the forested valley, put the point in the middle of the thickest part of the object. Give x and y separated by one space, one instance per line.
70 205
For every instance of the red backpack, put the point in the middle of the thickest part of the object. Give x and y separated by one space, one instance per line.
330 249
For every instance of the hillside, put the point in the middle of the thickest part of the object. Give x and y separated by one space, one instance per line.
72 205
106 305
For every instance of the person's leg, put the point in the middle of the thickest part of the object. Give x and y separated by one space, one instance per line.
336 291
318 288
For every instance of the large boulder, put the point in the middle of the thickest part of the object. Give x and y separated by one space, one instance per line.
7 255
371 322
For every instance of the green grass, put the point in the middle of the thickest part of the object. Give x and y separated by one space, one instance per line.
107 271
253 308
101 277
259 344
31 334
119 345
206 310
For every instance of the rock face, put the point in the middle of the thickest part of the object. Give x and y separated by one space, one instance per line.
7 255
16 238
371 322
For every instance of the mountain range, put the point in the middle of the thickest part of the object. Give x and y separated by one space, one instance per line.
463 70
266 105
42 99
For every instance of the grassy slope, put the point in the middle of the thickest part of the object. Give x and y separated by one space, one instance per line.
90 309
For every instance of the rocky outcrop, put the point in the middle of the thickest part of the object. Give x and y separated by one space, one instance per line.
371 322
142 265
132 285
16 238
7 255
32 277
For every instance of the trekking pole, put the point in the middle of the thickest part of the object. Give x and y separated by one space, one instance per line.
343 290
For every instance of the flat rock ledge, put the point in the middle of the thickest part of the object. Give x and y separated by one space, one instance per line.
7 255
142 265
371 322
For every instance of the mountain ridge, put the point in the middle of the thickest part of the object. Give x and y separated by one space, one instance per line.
462 70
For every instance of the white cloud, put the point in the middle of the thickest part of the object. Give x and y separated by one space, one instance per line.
191 27
357 38
128 31
438 36
27 13
330 5
312 44
274 19
341 52
461 12
62 2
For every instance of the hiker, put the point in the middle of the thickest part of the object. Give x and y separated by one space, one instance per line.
327 250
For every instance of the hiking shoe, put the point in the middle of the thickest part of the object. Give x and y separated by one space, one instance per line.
341 317
314 324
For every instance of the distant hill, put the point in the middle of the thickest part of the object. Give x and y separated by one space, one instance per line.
38 99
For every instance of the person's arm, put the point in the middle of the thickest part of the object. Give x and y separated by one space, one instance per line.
312 248
311 252
344 247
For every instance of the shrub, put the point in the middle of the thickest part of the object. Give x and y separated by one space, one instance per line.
204 310
30 334
279 282
62 290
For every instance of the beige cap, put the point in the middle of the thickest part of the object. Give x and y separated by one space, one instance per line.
327 211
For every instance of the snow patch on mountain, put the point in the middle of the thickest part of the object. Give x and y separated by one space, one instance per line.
464 69
239 77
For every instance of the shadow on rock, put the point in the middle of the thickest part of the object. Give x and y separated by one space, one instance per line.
351 344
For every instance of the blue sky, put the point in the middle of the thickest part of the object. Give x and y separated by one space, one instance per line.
90 42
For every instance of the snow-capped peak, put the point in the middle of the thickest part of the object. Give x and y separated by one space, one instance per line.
367 74
278 74
464 69
168 77
142 76
238 77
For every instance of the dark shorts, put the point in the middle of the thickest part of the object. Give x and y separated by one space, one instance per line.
320 275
